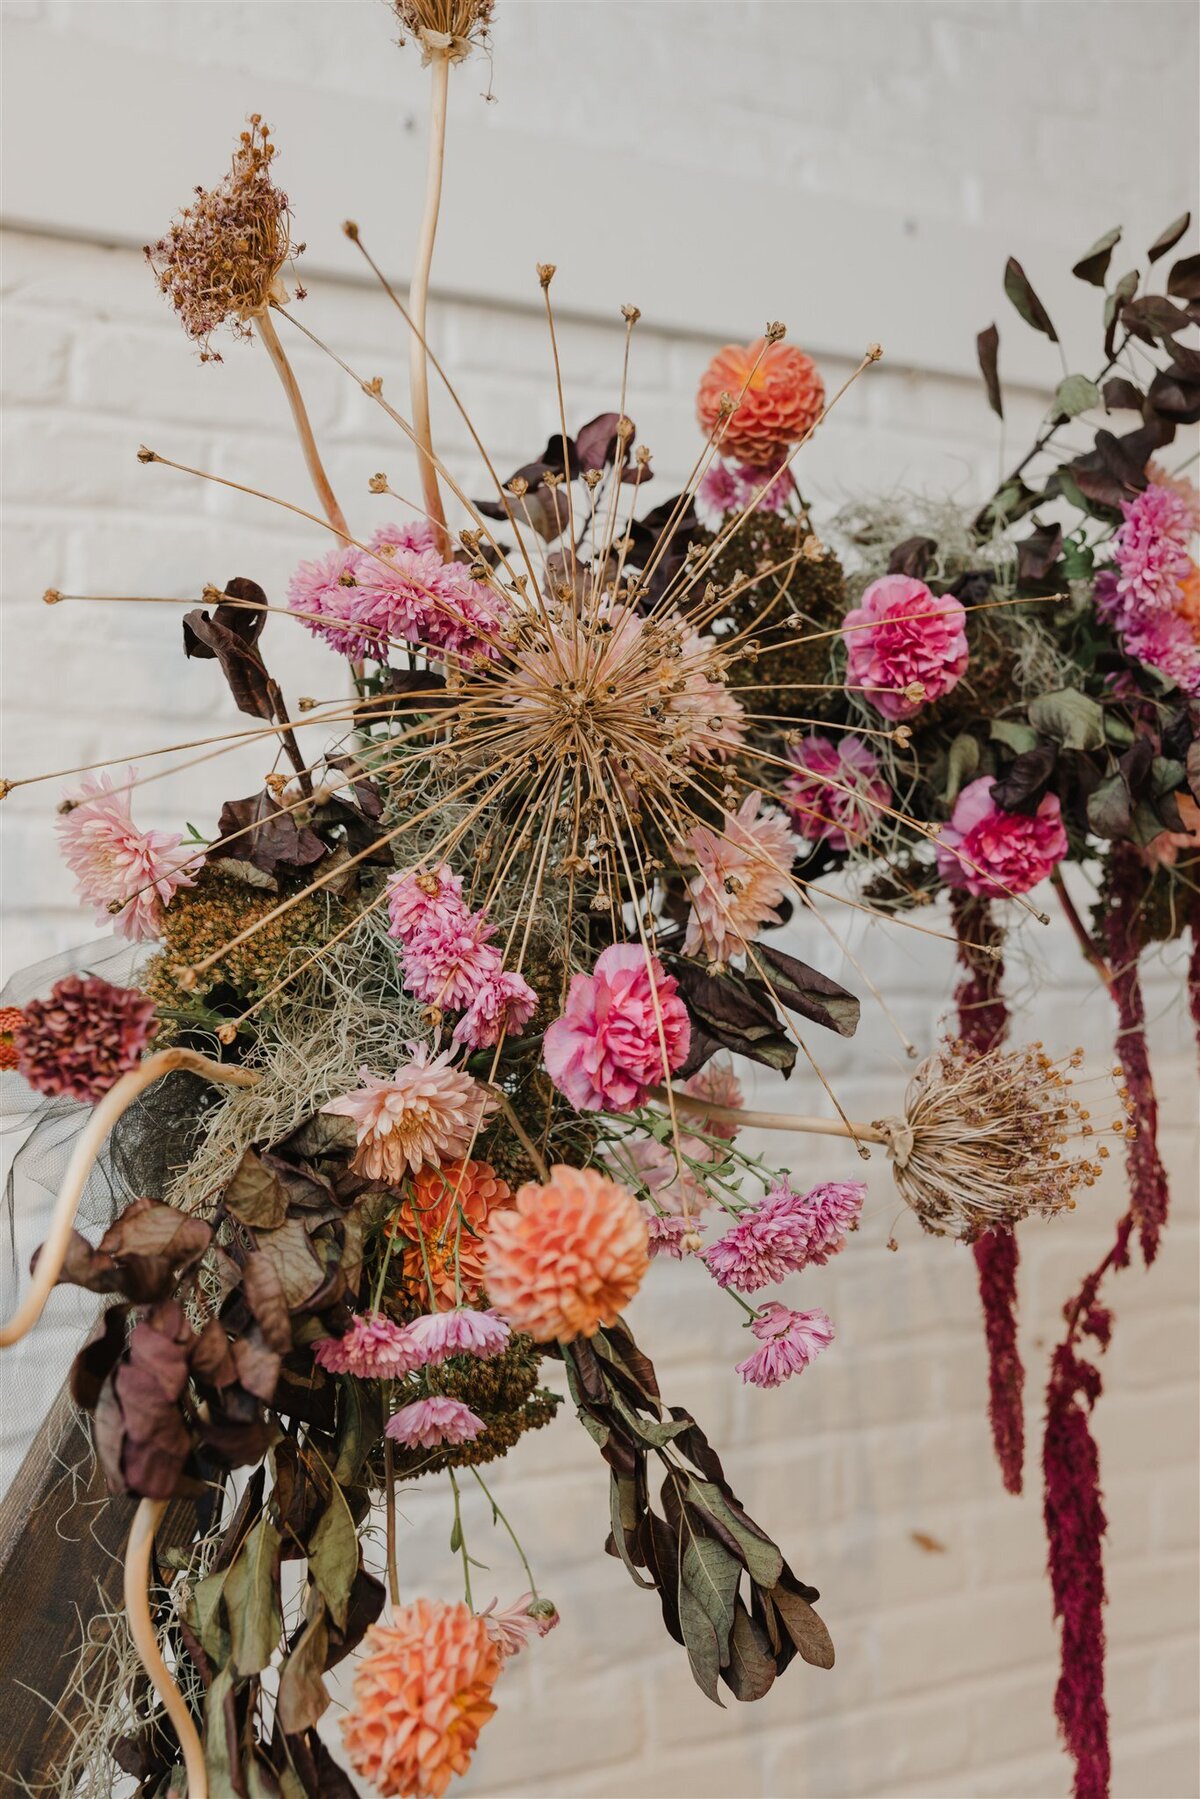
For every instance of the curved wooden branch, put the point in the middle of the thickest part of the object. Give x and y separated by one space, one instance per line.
91 1141
145 1640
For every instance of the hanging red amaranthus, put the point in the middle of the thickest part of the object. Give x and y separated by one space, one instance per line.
1147 1176
983 1025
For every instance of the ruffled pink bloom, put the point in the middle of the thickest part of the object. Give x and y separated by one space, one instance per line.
992 852
731 486
431 1422
426 1114
787 1232
834 1208
326 595
407 590
1163 639
790 1341
437 1335
424 901
1151 549
822 810
605 1052
718 1084
113 862
520 1622
715 720
502 1007
445 965
899 637
666 1233
373 1349
742 874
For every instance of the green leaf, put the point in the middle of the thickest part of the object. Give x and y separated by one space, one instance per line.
1075 394
360 1421
1068 717
1117 730
623 1515
1093 264
256 1195
220 1755
764 1563
711 1573
1020 291
333 1557
961 764
1166 774
1108 807
804 1626
1013 734
252 1599
700 1640
303 1695
206 1618
456 1536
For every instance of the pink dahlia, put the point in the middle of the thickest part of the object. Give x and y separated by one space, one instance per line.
426 1114
742 874
733 486
373 1349
425 900
408 591
519 1623
325 594
83 1037
992 852
433 1421
904 646
1151 549
437 1335
445 965
837 791
503 1004
116 864
606 1051
790 1341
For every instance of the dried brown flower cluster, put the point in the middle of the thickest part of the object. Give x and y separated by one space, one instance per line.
450 28
221 259
989 1140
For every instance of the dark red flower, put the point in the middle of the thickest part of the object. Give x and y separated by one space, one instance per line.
83 1037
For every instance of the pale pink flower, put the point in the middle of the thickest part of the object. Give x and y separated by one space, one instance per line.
424 900
437 1335
717 1083
821 808
433 1421
426 1114
899 636
1167 641
519 1623
743 874
790 1340
834 1207
373 1349
114 862
326 595
645 1163
992 852
503 1004
731 487
714 719
666 1233
606 1051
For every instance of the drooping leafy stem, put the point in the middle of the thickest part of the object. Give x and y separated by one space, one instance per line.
458 1540
499 1516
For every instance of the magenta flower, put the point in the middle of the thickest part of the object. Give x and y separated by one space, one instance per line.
787 1232
446 964
116 864
991 852
406 590
822 810
900 638
834 1208
790 1341
605 1052
373 1349
433 1421
437 1335
1152 549
503 1004
731 486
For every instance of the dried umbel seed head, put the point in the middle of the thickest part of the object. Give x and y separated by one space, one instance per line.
221 259
449 28
988 1140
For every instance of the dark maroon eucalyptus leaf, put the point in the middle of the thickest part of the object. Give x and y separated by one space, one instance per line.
735 1013
596 442
809 992
1153 317
1037 554
1093 264
1124 291
1184 279
228 636
1167 240
1121 395
1020 291
1026 782
987 348
1176 394
912 557
270 838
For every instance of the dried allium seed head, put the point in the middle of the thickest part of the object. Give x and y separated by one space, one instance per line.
221 259
450 28
988 1140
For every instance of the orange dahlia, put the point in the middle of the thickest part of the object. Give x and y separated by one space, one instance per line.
568 1255
422 1694
782 400
450 1208
11 1020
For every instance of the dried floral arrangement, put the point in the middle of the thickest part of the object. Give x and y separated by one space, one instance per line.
453 1005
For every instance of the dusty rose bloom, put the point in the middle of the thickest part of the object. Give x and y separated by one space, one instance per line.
898 637
742 875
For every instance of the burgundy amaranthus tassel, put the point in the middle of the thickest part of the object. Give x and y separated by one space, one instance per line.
1147 1176
1193 973
983 1024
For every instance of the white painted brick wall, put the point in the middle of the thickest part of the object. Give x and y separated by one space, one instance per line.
1052 119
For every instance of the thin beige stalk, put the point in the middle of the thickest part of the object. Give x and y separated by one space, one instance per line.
300 419
418 293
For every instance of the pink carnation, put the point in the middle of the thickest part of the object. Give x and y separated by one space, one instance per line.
743 872
822 810
437 1335
992 852
502 1007
431 1422
373 1349
790 1341
115 863
898 638
325 594
731 486
605 1052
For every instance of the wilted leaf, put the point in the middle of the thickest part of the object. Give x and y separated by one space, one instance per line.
263 1288
256 1195
222 1753
806 1629
252 1598
762 1559
1023 786
303 1695
333 1557
730 1013
207 1618
987 347
290 1253
1184 279
1075 394
700 1640
1013 734
750 1670
1020 291
1070 718
1093 264
1124 290
229 636
807 991
962 763
265 835
912 557
1167 240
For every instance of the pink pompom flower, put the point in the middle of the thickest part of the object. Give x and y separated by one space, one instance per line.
787 1232
606 1051
446 964
906 647
374 1348
790 1341
433 1421
504 1003
835 795
1152 548
115 863
424 900
326 596
438 1335
409 592
992 852
665 1233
